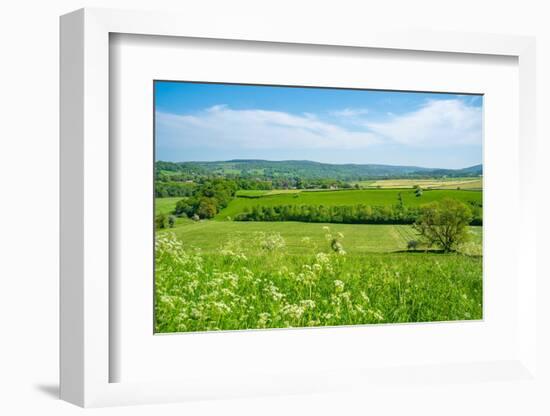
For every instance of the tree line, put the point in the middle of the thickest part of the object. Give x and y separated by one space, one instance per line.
182 185
346 214
173 189
172 186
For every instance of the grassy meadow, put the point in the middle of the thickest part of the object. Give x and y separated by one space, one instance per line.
211 236
376 197
223 276
165 205
219 274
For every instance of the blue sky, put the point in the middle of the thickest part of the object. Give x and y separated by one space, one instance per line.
196 121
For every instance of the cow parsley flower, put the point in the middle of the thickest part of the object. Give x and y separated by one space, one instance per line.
339 286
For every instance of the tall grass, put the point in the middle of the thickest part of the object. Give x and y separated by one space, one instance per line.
262 283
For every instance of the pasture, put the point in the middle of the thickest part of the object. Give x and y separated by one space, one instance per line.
379 197
213 275
223 275
166 205
300 237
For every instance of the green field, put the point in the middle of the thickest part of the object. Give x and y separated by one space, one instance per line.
210 236
222 275
166 205
348 197
249 198
213 275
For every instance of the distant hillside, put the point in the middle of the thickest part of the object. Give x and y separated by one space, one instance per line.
476 170
306 169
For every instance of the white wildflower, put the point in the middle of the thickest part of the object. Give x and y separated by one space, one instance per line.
293 311
272 241
322 258
307 303
263 319
339 285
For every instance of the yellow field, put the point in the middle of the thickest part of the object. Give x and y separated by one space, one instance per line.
454 183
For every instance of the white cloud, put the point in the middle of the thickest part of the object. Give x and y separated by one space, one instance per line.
438 123
350 112
221 126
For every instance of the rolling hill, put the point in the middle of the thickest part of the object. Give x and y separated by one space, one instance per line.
306 169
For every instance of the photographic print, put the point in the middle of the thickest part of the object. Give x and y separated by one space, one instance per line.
294 207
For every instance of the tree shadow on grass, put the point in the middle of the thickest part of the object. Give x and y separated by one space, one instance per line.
435 251
419 251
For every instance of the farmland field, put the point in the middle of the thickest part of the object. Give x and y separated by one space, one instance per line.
437 183
381 197
221 275
209 236
466 185
165 205
228 275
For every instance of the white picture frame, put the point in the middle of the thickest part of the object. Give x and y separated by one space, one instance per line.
85 353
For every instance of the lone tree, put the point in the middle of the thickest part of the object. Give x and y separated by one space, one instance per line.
444 223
